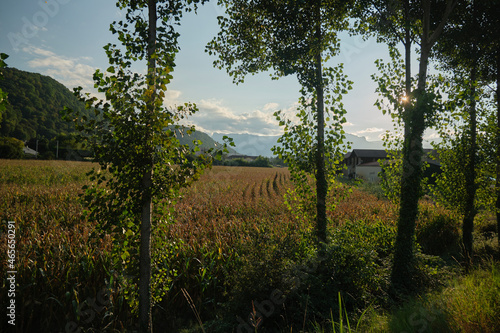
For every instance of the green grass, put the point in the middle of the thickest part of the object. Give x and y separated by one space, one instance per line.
467 304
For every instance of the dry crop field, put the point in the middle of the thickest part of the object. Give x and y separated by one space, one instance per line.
60 266
230 241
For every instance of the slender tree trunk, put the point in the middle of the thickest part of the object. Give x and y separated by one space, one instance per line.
145 317
407 63
470 175
470 167
403 265
321 183
497 185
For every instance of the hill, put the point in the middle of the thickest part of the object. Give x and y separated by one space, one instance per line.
33 112
35 102
254 145
207 141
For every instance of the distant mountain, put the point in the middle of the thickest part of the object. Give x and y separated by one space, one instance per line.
207 141
254 145
34 105
360 142
250 144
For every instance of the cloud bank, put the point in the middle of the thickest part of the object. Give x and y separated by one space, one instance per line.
215 117
72 72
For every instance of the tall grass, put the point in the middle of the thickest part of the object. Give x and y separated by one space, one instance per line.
469 303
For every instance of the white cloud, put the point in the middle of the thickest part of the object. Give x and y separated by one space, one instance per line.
271 107
71 72
172 97
371 133
214 116
369 130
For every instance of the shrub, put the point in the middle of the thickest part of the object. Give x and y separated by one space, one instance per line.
11 148
354 263
438 232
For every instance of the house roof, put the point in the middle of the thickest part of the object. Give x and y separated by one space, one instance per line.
369 164
369 153
29 151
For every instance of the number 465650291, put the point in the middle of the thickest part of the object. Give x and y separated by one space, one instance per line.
11 252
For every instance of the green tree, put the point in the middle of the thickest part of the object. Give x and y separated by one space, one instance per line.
468 49
11 148
461 52
35 103
289 37
453 184
3 95
421 22
142 163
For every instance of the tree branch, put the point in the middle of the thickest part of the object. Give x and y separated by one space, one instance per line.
450 5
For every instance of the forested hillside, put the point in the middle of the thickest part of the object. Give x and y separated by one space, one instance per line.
34 113
35 102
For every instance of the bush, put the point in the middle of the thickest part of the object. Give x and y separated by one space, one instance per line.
11 148
355 262
438 232
259 280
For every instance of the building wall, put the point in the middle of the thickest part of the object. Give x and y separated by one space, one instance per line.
368 173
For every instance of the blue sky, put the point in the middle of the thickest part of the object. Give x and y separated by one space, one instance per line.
64 39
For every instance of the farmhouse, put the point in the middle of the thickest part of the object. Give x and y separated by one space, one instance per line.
364 164
29 152
247 158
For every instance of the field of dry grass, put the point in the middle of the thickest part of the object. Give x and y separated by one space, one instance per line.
230 241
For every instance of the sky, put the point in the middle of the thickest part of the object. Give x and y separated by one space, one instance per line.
64 39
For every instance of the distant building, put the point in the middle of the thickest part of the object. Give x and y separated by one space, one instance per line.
29 151
247 158
364 164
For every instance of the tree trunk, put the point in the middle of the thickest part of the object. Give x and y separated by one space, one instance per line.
145 318
403 265
470 166
321 183
497 185
407 63
470 176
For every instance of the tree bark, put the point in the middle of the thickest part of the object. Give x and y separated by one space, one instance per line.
403 265
407 61
145 317
470 167
470 176
497 185
321 183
